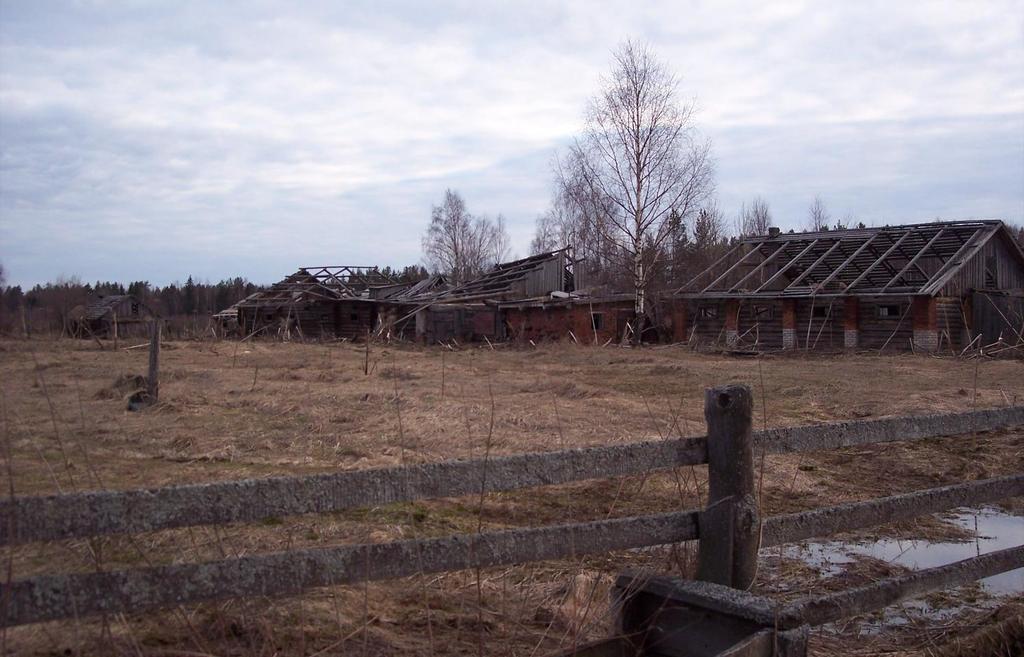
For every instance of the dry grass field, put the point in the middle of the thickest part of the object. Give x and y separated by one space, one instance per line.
230 411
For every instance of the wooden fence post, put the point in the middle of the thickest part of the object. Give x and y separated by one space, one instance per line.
729 525
153 380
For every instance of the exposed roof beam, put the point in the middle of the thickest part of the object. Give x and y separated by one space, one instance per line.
950 268
817 262
840 268
792 261
728 271
916 266
761 265
710 267
879 261
882 260
913 261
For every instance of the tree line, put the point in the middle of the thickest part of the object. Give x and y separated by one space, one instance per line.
53 306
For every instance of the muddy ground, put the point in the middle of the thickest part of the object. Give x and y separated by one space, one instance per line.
230 410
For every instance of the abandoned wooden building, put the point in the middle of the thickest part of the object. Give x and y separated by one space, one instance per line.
112 316
922 286
474 310
315 302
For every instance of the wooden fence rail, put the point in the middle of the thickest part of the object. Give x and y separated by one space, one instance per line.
98 513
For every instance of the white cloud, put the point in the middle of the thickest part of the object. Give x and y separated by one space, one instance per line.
227 133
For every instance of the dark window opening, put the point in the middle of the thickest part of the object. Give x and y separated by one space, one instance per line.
762 312
135 309
707 312
891 310
819 312
354 317
597 321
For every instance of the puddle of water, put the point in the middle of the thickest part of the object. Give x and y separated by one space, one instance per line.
995 530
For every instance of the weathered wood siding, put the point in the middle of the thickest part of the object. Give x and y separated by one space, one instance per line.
352 319
763 332
953 330
544 280
998 315
321 320
825 333
1009 274
875 331
705 330
464 323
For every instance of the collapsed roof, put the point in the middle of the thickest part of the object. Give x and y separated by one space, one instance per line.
915 259
535 276
106 305
332 283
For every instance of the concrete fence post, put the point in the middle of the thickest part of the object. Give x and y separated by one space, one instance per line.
729 525
153 380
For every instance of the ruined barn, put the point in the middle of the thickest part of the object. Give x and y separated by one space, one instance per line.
112 316
315 302
477 310
934 286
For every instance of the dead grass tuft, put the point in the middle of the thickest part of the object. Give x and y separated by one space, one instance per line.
1003 636
122 386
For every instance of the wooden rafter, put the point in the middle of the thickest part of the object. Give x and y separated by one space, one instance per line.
913 261
752 251
890 260
711 267
807 271
785 268
947 270
879 261
846 263
760 266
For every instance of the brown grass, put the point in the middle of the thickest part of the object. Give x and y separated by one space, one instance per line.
302 408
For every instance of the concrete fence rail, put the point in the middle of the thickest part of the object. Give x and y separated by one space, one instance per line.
97 513
51 597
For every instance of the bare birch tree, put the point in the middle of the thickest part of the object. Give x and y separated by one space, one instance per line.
817 216
754 219
461 245
641 154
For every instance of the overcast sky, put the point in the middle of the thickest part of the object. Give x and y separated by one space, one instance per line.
146 141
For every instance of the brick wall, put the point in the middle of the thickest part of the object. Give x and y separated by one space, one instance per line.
554 322
789 324
925 316
851 322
